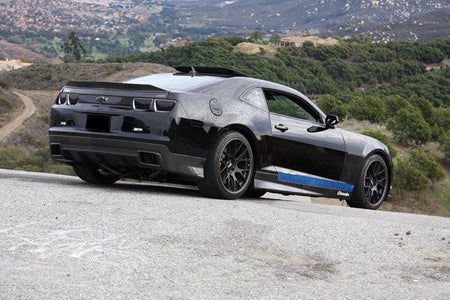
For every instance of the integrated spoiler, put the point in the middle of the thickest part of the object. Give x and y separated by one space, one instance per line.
113 88
112 85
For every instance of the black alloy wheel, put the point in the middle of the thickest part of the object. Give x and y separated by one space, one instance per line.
234 165
373 184
229 167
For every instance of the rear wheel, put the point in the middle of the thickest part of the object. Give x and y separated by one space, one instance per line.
372 186
228 168
95 175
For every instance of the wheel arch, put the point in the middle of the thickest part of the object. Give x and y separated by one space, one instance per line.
387 159
250 136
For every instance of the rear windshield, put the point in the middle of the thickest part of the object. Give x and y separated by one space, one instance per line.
172 82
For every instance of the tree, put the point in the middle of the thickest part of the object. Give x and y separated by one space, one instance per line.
256 36
394 103
367 108
332 106
409 126
425 107
340 70
275 38
73 47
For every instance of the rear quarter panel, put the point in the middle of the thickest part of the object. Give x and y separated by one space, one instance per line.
200 126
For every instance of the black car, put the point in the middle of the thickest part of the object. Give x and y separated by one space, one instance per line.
230 134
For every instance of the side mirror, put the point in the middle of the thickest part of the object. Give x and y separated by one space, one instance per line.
331 121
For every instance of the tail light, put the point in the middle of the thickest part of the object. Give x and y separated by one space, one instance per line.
164 105
68 99
62 98
144 104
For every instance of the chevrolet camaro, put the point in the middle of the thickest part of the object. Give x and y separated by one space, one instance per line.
230 134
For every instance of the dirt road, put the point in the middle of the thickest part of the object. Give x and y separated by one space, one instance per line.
27 112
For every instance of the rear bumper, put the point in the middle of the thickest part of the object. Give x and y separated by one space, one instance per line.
72 147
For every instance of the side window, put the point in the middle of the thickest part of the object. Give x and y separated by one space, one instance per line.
256 98
290 106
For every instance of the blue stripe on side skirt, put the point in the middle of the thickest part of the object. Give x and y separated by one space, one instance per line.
329 184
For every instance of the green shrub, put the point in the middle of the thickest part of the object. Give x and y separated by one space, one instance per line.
409 126
367 108
417 172
59 169
11 158
425 107
45 118
394 104
427 164
3 85
39 159
5 103
441 117
409 178
445 145
377 134
332 106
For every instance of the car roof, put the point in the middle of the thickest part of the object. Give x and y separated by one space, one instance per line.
171 82
232 87
209 84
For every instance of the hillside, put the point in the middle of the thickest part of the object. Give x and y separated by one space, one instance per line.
19 51
51 77
114 27
385 88
344 16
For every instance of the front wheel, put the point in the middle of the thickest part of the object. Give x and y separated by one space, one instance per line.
229 167
93 174
372 186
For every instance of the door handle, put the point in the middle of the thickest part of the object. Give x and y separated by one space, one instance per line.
281 127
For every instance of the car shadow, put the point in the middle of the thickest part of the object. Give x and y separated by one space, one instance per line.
131 186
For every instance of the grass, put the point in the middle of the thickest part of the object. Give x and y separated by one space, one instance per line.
57 43
98 55
441 191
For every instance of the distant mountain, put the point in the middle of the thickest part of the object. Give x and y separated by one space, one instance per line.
118 27
351 16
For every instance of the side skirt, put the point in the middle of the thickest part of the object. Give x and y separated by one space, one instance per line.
293 184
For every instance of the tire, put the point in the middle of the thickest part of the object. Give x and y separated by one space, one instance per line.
255 193
372 186
92 174
229 167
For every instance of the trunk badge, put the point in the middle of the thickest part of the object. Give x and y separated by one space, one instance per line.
101 99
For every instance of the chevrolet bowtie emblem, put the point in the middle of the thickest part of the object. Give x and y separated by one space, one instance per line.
101 99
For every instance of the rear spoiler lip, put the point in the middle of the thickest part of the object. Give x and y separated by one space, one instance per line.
114 89
113 85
